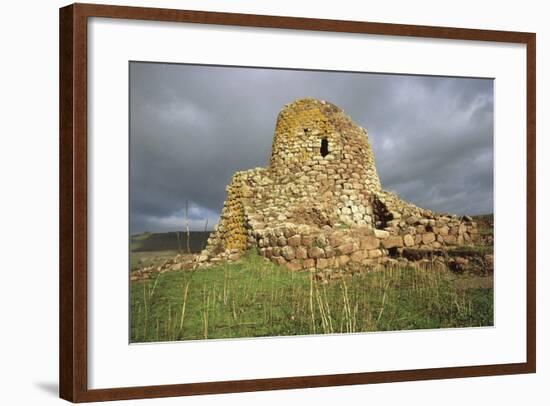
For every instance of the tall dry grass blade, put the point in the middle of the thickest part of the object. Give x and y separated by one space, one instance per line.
324 321
225 288
354 319
135 320
383 302
146 311
183 306
206 314
152 291
234 310
347 306
327 304
169 326
311 302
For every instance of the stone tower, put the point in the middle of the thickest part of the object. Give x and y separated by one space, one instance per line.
320 202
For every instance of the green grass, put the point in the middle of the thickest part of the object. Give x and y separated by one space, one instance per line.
255 298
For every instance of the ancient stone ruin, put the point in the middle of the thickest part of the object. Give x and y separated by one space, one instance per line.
319 204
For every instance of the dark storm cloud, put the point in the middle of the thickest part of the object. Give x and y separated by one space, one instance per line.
192 127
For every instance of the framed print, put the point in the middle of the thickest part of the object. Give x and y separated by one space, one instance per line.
255 202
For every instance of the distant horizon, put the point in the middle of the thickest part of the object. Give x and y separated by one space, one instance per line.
192 127
171 231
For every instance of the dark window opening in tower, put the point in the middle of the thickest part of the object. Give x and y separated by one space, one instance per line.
324 147
381 214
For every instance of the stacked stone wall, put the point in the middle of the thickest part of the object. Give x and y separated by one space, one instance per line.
319 208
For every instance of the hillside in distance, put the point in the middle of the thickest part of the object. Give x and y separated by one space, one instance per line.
170 241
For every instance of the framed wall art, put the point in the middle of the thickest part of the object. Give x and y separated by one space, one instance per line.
253 202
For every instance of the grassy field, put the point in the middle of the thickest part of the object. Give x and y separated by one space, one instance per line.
141 259
174 241
254 298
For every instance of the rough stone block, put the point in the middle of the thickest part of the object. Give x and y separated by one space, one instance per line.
288 253
308 263
294 241
428 238
281 241
357 256
408 240
450 239
369 243
329 251
344 249
315 252
337 238
341 260
295 265
393 241
279 260
381 234
322 263
321 240
375 253
308 240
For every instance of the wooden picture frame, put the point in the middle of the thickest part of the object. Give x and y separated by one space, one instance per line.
73 280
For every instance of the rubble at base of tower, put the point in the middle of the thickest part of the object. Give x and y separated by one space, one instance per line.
320 205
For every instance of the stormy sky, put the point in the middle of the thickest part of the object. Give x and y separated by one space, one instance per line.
193 126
